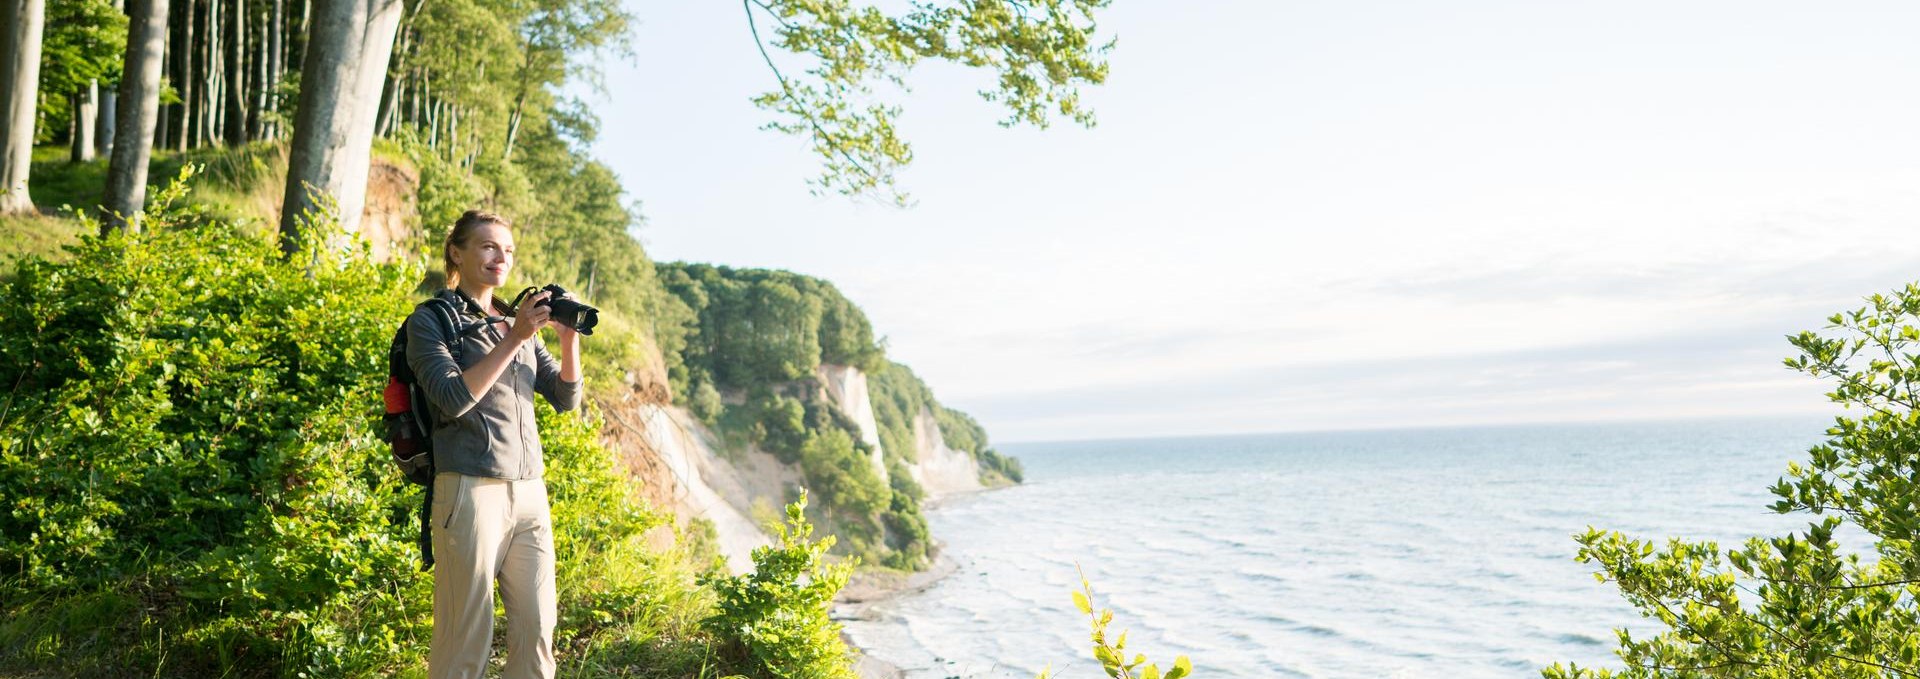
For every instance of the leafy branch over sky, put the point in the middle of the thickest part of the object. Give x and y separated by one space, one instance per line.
1041 52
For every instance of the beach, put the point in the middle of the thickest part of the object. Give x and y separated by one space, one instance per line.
867 588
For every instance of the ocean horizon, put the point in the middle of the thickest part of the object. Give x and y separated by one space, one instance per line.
1406 552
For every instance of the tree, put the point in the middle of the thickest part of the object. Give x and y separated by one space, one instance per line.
80 55
1040 50
340 83
21 25
1800 605
137 117
554 32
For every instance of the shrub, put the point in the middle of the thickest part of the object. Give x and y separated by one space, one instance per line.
189 478
1800 605
837 469
190 425
773 622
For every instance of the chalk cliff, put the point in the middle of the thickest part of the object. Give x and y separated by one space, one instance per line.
685 469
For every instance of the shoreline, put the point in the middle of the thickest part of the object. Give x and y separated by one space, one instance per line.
868 588
865 589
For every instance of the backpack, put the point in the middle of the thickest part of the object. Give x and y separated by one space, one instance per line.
409 432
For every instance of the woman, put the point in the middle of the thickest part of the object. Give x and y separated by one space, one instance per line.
489 514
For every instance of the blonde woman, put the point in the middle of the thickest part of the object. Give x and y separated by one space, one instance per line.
489 512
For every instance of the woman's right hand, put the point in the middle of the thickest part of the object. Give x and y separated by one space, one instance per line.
530 317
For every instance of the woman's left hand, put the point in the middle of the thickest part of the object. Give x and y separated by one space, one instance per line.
564 333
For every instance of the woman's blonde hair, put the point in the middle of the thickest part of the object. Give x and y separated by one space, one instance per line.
462 232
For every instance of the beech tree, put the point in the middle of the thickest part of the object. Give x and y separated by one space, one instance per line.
340 84
21 25
1801 605
137 116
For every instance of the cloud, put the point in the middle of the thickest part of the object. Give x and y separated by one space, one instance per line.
1725 371
1849 274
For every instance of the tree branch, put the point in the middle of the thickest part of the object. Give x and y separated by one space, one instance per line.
786 89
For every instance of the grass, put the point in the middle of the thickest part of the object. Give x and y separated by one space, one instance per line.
240 184
23 236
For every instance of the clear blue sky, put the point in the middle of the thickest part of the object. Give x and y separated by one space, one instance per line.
1337 214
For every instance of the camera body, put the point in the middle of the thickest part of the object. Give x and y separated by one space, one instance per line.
566 311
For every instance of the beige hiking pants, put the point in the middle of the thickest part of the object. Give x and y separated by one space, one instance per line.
485 529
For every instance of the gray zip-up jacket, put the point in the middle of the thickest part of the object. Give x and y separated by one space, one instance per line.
494 435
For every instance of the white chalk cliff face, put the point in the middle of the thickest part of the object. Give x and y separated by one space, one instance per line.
847 386
680 461
939 469
703 484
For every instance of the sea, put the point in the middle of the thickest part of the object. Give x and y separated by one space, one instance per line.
1444 552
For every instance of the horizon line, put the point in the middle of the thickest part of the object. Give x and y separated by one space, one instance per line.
1809 415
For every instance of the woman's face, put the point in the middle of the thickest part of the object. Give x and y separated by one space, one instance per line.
487 257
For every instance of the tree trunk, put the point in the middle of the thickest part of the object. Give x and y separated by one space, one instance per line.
163 136
276 57
513 126
236 117
340 82
103 120
210 70
21 23
85 108
298 53
182 79
103 115
520 97
134 126
453 133
262 61
390 95
392 102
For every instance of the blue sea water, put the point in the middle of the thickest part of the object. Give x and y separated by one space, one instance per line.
1406 553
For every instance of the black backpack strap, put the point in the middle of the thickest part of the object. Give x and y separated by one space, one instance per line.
426 529
449 317
449 325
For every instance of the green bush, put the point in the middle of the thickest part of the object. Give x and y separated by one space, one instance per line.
191 424
992 462
762 326
775 423
705 403
1806 604
907 533
774 620
836 468
192 485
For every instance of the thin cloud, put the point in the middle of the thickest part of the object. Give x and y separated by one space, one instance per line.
1720 372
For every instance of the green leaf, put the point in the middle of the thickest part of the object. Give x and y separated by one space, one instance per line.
1181 667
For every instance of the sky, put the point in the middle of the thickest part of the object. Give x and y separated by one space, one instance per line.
1334 215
